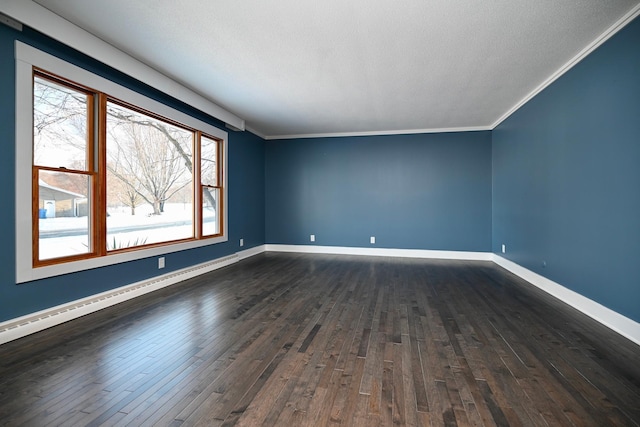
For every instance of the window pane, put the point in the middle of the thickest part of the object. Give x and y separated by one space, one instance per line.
59 126
149 180
210 222
63 214
208 162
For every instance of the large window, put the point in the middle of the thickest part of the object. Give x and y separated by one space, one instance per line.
115 176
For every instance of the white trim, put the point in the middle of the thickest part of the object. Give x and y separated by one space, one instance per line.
27 57
4 19
602 38
389 252
41 320
255 132
47 22
379 133
251 252
35 57
610 32
24 156
615 321
31 323
60 29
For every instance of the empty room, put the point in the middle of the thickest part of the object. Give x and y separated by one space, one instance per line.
337 213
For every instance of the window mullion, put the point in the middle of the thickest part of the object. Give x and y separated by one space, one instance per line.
100 181
220 184
35 226
197 185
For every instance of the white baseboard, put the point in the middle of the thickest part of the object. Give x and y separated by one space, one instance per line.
626 327
35 322
250 252
403 253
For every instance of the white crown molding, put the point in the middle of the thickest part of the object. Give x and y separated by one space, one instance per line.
379 133
602 38
47 22
615 321
43 20
610 32
255 132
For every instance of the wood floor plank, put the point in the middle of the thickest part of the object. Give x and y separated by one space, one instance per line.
319 340
408 381
351 376
373 373
325 392
397 385
422 403
318 370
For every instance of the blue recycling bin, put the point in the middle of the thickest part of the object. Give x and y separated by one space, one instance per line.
42 213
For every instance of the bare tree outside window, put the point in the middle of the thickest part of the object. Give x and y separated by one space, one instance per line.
59 125
149 187
151 160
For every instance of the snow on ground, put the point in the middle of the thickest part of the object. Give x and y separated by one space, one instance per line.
121 217
173 224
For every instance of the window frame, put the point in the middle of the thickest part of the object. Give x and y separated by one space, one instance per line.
91 171
201 185
29 58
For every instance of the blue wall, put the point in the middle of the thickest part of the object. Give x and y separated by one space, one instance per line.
246 194
558 182
427 191
566 178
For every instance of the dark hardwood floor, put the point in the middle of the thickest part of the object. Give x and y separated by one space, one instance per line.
295 340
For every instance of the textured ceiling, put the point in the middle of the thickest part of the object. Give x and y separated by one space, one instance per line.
303 67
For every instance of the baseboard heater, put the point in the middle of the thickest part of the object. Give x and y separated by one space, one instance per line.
34 322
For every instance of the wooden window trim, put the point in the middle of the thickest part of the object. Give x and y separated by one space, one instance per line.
219 187
97 156
89 171
54 68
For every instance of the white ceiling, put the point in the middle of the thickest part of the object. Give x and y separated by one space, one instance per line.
311 67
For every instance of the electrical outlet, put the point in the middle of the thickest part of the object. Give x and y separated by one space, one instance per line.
312 237
161 262
504 248
241 242
373 240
